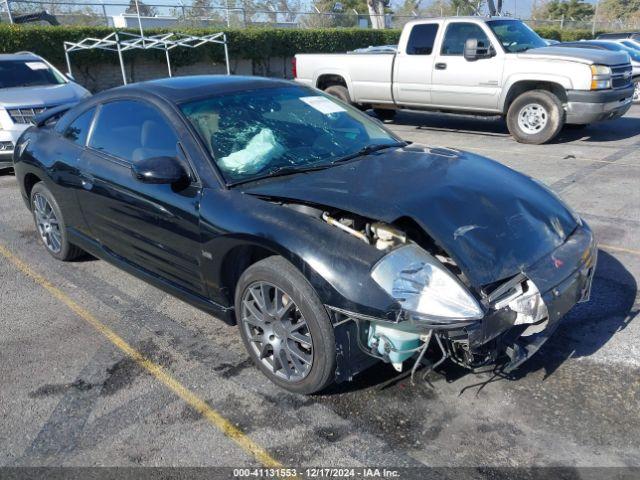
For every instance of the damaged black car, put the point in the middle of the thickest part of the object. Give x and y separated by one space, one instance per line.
330 242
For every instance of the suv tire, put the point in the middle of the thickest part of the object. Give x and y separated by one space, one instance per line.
304 331
535 117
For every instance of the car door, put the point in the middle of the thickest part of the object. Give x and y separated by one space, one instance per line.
461 83
67 152
152 226
414 66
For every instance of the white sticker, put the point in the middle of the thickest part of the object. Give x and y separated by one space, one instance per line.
37 65
323 105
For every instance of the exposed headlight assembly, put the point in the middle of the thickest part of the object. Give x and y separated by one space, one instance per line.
421 284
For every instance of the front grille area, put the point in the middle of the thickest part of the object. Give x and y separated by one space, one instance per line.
24 114
621 76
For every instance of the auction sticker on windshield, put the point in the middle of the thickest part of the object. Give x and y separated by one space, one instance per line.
323 105
37 66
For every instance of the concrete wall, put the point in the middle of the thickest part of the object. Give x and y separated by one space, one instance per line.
101 76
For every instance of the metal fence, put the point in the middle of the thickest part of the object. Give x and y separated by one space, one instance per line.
236 14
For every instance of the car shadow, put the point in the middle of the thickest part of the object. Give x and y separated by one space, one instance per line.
494 126
583 331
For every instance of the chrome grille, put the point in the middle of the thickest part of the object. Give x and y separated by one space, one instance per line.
24 114
621 76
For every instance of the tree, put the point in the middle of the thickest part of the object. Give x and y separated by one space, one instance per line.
569 9
200 8
628 10
145 10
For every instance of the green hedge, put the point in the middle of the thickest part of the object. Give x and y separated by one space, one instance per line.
252 44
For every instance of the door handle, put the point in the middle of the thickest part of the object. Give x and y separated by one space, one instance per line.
441 66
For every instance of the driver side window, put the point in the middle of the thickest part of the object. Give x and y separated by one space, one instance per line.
458 33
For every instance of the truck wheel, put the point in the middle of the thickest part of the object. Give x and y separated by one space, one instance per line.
535 117
285 327
384 114
339 92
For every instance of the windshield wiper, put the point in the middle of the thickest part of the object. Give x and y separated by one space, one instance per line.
367 150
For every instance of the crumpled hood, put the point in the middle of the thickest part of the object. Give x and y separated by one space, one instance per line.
492 220
41 96
582 55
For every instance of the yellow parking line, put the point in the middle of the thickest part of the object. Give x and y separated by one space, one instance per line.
619 249
195 402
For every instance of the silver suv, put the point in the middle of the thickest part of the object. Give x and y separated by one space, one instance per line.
29 85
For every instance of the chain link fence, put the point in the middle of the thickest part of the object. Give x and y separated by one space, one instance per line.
233 14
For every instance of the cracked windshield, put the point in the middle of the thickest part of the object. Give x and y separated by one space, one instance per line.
268 132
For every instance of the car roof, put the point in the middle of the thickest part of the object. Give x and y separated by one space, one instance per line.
182 89
19 56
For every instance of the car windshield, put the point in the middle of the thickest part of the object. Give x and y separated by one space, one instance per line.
272 131
515 36
27 73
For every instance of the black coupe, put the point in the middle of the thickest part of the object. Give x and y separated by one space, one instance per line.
331 242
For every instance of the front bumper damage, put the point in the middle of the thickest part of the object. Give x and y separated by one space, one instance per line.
521 314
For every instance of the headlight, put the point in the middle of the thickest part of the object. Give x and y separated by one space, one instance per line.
422 285
600 77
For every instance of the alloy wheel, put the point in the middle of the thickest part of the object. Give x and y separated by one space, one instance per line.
277 332
532 118
47 223
636 92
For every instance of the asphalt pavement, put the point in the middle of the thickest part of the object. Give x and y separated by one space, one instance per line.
73 395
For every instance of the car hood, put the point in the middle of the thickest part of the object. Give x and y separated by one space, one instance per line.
582 55
493 221
41 95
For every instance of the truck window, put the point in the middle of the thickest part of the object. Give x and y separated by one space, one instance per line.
421 39
458 33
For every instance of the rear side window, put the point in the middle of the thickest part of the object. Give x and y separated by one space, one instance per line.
133 131
421 39
78 130
458 33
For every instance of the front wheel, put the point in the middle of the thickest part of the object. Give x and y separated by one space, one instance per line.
50 224
636 91
535 117
285 327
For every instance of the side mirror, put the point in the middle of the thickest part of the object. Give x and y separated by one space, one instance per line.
158 170
473 51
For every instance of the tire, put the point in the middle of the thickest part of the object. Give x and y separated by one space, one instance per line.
636 92
384 114
304 307
340 92
42 203
535 117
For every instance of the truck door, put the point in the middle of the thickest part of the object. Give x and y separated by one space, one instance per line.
414 66
458 82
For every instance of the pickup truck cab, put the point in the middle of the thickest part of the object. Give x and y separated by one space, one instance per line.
485 66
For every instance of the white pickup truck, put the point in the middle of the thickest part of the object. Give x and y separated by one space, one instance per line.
484 66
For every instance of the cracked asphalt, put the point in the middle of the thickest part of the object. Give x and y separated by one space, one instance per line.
71 398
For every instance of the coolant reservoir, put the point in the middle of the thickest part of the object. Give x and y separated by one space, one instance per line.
390 340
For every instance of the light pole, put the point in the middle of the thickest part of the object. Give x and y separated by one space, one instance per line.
6 2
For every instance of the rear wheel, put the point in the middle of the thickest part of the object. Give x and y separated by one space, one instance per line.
340 92
50 224
384 114
285 327
535 117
